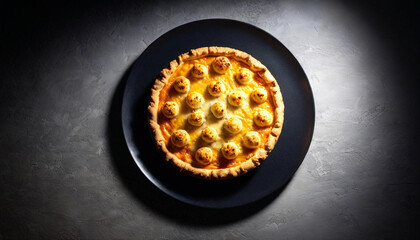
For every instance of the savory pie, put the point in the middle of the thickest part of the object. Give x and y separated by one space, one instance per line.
216 112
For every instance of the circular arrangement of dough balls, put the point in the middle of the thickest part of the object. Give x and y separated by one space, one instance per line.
204 155
194 100
263 118
221 65
182 84
236 98
209 134
230 150
244 76
233 125
259 95
170 109
199 71
218 109
197 118
216 88
251 139
180 138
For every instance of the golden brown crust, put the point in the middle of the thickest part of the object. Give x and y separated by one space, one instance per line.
260 154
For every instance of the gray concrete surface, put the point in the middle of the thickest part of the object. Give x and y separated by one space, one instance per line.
66 174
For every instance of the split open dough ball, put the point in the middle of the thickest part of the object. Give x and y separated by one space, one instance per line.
180 138
197 118
170 109
204 155
194 100
251 139
263 118
230 150
182 84
233 125
209 134
244 76
199 71
221 65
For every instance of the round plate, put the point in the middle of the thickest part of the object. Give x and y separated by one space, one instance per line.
293 143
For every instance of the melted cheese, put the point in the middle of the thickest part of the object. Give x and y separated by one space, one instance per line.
244 112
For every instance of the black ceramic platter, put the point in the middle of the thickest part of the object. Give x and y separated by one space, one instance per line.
293 143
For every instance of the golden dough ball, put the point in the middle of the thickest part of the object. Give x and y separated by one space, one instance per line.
204 155
216 88
263 118
230 150
236 98
221 65
259 95
244 76
194 100
233 125
218 109
197 118
251 139
209 134
170 109
182 84
180 138
199 71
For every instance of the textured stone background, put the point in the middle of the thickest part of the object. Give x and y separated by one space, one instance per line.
65 172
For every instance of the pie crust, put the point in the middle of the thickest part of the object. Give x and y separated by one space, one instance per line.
197 66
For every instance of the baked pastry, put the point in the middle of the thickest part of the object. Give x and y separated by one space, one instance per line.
221 64
182 84
180 138
216 88
230 150
244 76
263 118
259 95
236 98
251 139
218 109
204 156
194 100
199 71
170 109
209 134
197 118
233 125
216 112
